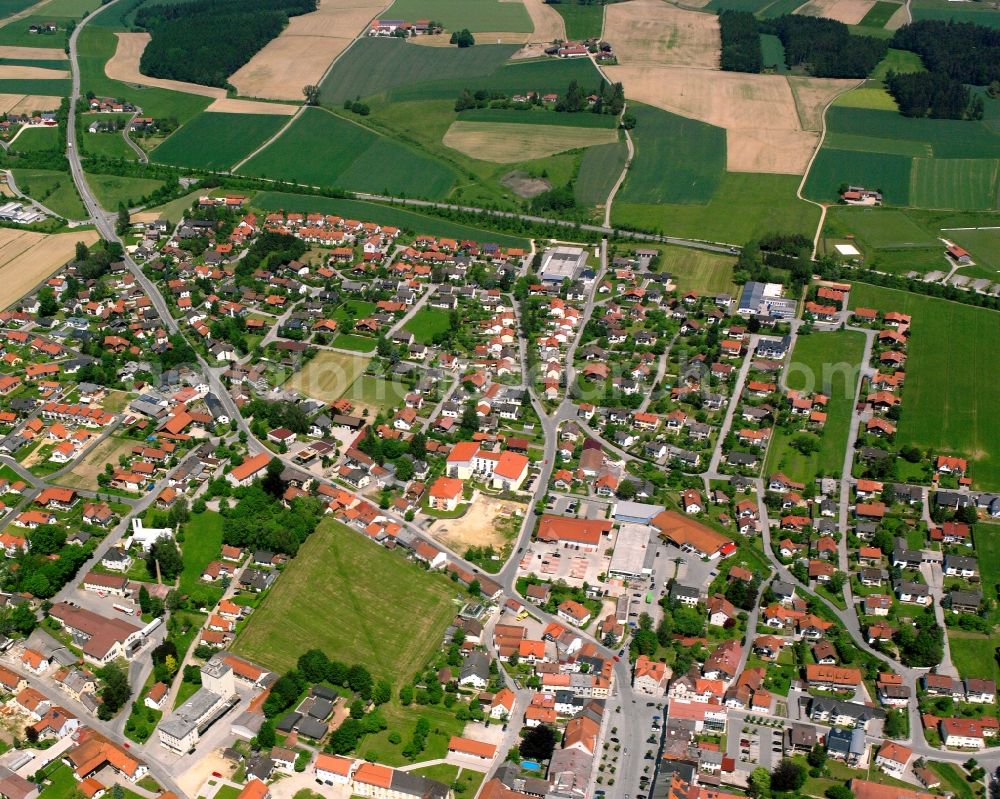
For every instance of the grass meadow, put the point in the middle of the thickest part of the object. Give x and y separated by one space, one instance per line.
949 401
827 363
31 140
217 141
377 394
327 375
322 149
426 323
375 65
113 189
389 614
383 214
53 189
583 21
745 205
202 544
697 270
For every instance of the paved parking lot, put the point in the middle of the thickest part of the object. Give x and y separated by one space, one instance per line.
564 562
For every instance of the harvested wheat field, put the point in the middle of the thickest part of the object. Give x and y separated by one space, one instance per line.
27 258
812 95
654 33
899 18
763 130
229 105
33 53
26 103
548 23
850 12
124 66
302 52
8 72
509 142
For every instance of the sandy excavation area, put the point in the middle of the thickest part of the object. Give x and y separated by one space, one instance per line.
850 12
124 66
478 527
764 125
33 53
26 103
9 72
655 33
302 52
27 258
230 105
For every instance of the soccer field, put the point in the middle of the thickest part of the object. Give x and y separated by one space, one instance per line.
949 401
357 602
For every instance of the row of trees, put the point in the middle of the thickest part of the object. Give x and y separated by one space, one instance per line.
205 42
740 34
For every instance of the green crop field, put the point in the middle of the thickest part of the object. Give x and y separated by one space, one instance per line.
744 206
879 14
583 21
57 87
542 76
883 228
32 62
978 13
948 401
828 363
476 15
375 65
409 221
53 189
778 8
875 144
833 168
8 7
75 9
753 6
677 160
871 97
217 141
109 144
947 138
539 117
32 140
390 614
599 169
112 189
427 323
96 45
322 149
967 184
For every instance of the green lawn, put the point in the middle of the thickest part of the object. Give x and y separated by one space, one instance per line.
202 544
112 189
599 169
217 141
377 393
347 155
55 190
356 601
745 205
348 341
974 655
825 363
947 404
476 15
583 21
408 221
426 323
62 784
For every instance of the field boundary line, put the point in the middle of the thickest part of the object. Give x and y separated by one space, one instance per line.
812 160
270 141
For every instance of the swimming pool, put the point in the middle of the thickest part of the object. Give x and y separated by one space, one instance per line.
530 765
